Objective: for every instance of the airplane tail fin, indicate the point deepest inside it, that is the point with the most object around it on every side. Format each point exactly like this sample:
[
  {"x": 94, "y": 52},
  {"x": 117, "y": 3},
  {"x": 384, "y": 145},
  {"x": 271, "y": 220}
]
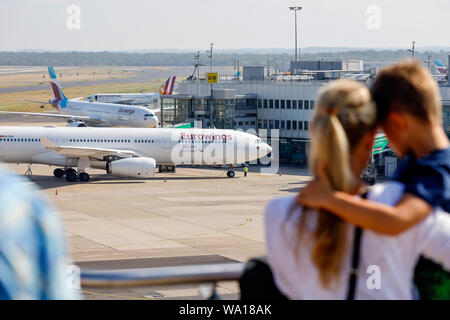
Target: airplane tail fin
[
  {"x": 167, "y": 87},
  {"x": 440, "y": 67},
  {"x": 59, "y": 99}
]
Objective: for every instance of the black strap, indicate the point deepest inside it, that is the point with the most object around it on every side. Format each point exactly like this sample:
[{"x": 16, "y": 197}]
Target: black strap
[
  {"x": 355, "y": 261},
  {"x": 355, "y": 264}
]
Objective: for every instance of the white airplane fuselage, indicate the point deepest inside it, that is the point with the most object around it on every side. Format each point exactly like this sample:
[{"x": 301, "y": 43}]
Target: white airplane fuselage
[
  {"x": 112, "y": 115},
  {"x": 164, "y": 145}
]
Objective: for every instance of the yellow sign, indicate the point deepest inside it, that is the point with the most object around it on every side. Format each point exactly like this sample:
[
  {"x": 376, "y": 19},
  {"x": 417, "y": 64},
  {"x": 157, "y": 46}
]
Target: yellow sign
[{"x": 212, "y": 77}]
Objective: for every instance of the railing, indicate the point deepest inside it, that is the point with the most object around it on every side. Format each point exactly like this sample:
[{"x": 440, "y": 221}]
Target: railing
[{"x": 196, "y": 274}]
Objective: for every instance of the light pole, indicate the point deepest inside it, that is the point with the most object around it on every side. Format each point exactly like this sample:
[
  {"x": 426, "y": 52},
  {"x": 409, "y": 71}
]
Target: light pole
[
  {"x": 211, "y": 95},
  {"x": 412, "y": 50},
  {"x": 295, "y": 9}
]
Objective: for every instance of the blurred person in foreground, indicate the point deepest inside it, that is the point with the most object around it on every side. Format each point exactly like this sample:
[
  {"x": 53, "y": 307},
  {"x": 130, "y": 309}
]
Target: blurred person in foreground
[
  {"x": 313, "y": 253},
  {"x": 33, "y": 254}
]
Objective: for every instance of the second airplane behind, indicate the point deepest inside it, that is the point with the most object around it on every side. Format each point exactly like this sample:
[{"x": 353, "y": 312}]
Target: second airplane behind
[{"x": 84, "y": 113}]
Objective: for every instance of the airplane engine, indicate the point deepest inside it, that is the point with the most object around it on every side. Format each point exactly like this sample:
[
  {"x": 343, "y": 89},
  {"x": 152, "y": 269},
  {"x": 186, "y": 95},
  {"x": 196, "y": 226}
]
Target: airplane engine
[
  {"x": 76, "y": 124},
  {"x": 132, "y": 167}
]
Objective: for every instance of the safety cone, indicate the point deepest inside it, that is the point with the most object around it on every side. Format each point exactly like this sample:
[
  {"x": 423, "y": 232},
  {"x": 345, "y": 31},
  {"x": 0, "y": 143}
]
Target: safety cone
[
  {"x": 56, "y": 193},
  {"x": 165, "y": 179},
  {"x": 280, "y": 173}
]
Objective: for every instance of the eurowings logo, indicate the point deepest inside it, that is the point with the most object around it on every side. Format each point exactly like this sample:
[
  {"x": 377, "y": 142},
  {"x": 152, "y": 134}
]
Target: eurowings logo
[
  {"x": 440, "y": 67},
  {"x": 59, "y": 99}
]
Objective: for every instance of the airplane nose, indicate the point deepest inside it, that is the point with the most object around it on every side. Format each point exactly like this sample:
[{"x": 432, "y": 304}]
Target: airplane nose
[{"x": 269, "y": 148}]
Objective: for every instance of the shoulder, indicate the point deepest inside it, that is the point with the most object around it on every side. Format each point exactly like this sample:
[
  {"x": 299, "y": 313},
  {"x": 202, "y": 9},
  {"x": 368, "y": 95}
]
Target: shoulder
[
  {"x": 278, "y": 208},
  {"x": 389, "y": 193},
  {"x": 277, "y": 212}
]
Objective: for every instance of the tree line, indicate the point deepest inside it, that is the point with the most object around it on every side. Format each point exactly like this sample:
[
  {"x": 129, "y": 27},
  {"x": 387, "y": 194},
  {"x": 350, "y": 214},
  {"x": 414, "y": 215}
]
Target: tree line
[{"x": 281, "y": 60}]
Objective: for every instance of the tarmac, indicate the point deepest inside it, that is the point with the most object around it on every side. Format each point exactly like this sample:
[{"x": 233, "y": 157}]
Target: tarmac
[{"x": 193, "y": 216}]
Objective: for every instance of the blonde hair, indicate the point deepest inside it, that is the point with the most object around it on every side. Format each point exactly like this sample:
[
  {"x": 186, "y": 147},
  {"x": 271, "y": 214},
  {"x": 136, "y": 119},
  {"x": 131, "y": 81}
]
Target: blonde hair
[{"x": 344, "y": 113}]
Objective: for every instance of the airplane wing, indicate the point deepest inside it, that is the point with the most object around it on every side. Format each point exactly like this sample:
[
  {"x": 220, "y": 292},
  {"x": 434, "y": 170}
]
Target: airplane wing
[
  {"x": 37, "y": 101},
  {"x": 97, "y": 153},
  {"x": 56, "y": 115}
]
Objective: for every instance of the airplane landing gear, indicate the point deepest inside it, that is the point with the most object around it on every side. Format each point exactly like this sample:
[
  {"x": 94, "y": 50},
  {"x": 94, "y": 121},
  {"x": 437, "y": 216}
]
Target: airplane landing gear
[
  {"x": 84, "y": 177},
  {"x": 230, "y": 173},
  {"x": 71, "y": 175},
  {"x": 29, "y": 172},
  {"x": 59, "y": 173},
  {"x": 166, "y": 168}
]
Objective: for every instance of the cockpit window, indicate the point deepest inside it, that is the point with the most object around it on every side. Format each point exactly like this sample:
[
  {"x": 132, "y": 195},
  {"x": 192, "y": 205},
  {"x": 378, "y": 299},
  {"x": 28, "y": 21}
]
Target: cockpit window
[
  {"x": 258, "y": 141},
  {"x": 148, "y": 115}
]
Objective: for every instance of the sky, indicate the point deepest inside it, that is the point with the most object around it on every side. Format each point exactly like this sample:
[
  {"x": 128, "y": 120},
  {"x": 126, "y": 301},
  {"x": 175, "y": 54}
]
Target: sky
[{"x": 100, "y": 25}]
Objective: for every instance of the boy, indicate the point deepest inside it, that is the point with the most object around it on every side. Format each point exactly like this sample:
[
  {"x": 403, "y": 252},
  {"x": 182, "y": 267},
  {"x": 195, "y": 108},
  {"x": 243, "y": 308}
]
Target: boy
[{"x": 409, "y": 112}]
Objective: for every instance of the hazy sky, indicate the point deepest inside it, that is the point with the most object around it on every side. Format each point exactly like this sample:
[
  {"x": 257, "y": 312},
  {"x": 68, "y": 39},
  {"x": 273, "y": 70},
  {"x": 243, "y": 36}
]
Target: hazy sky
[{"x": 192, "y": 24}]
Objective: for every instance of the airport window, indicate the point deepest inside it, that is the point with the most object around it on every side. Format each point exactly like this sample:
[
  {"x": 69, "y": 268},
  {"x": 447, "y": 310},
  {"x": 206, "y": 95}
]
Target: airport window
[
  {"x": 247, "y": 123},
  {"x": 306, "y": 125},
  {"x": 265, "y": 103},
  {"x": 294, "y": 125},
  {"x": 270, "y": 104},
  {"x": 288, "y": 104},
  {"x": 283, "y": 103},
  {"x": 270, "y": 124},
  {"x": 277, "y": 104},
  {"x": 288, "y": 124},
  {"x": 264, "y": 124},
  {"x": 259, "y": 103},
  {"x": 306, "y": 104},
  {"x": 312, "y": 104},
  {"x": 282, "y": 124},
  {"x": 294, "y": 104},
  {"x": 300, "y": 104},
  {"x": 277, "y": 124},
  {"x": 252, "y": 123},
  {"x": 300, "y": 125}
]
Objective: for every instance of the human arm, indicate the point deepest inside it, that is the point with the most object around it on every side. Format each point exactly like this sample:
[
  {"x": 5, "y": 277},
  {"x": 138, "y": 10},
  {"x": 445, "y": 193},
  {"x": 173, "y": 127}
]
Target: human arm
[{"x": 379, "y": 217}]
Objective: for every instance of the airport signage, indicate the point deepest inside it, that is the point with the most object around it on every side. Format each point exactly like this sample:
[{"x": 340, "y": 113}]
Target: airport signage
[
  {"x": 380, "y": 144},
  {"x": 212, "y": 77}
]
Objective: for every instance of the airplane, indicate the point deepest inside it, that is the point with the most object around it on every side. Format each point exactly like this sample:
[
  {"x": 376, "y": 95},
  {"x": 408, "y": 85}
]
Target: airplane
[
  {"x": 128, "y": 152},
  {"x": 135, "y": 98},
  {"x": 83, "y": 113},
  {"x": 440, "y": 67}
]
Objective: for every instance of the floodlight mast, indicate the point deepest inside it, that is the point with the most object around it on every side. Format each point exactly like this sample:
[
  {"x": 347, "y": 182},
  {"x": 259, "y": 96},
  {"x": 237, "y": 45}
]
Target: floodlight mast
[{"x": 295, "y": 9}]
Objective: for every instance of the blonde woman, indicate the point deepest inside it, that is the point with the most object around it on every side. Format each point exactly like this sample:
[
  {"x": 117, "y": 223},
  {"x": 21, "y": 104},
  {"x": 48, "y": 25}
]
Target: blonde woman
[{"x": 313, "y": 254}]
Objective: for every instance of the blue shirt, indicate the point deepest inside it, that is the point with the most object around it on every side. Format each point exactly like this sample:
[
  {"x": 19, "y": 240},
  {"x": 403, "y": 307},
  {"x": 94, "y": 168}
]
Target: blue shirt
[
  {"x": 428, "y": 177},
  {"x": 33, "y": 256}
]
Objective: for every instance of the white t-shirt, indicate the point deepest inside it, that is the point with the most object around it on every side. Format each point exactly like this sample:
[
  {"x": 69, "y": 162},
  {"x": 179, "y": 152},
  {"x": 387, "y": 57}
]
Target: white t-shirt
[{"x": 386, "y": 265}]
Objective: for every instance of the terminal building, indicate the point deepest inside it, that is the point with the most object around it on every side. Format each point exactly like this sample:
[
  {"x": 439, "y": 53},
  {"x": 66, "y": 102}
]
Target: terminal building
[{"x": 265, "y": 100}]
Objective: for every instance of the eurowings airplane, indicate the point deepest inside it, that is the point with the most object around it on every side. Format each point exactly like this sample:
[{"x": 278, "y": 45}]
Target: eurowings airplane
[
  {"x": 440, "y": 67},
  {"x": 135, "y": 98},
  {"x": 83, "y": 113},
  {"x": 129, "y": 152}
]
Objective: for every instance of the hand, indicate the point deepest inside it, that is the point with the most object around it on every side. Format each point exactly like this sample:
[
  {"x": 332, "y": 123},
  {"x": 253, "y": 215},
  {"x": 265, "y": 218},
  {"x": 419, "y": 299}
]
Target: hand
[{"x": 317, "y": 193}]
